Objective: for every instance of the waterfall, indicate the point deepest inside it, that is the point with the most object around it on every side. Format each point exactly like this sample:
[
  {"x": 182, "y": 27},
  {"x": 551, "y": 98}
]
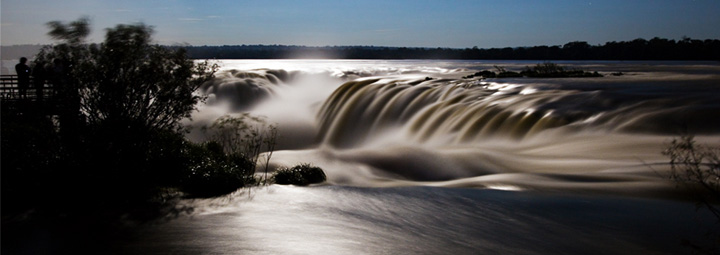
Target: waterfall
[{"x": 385, "y": 123}]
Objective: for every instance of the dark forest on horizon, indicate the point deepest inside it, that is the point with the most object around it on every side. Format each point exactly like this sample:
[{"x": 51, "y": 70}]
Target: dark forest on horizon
[{"x": 638, "y": 49}]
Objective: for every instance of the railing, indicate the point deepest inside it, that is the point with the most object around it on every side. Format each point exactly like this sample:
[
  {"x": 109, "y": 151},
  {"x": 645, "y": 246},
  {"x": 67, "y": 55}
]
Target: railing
[
  {"x": 10, "y": 91},
  {"x": 13, "y": 102}
]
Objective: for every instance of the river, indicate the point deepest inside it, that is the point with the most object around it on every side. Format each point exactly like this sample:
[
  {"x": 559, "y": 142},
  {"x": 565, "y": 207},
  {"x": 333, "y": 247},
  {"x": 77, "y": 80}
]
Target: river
[{"x": 422, "y": 159}]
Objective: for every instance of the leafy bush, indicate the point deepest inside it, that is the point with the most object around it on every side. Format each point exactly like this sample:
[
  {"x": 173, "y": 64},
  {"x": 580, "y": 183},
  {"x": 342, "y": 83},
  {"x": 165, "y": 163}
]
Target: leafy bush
[
  {"x": 229, "y": 160},
  {"x": 247, "y": 136},
  {"x": 552, "y": 70},
  {"x": 121, "y": 105},
  {"x": 127, "y": 79},
  {"x": 502, "y": 73},
  {"x": 211, "y": 172},
  {"x": 543, "y": 70},
  {"x": 302, "y": 175}
]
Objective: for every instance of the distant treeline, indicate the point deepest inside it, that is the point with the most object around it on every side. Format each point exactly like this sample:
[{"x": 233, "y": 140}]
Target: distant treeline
[{"x": 638, "y": 49}]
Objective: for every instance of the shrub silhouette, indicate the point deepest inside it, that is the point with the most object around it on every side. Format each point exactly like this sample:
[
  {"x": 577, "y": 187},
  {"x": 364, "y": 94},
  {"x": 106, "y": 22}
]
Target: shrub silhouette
[
  {"x": 211, "y": 172},
  {"x": 247, "y": 136},
  {"x": 127, "y": 80},
  {"x": 543, "y": 70},
  {"x": 120, "y": 138},
  {"x": 697, "y": 167},
  {"x": 552, "y": 70},
  {"x": 301, "y": 175}
]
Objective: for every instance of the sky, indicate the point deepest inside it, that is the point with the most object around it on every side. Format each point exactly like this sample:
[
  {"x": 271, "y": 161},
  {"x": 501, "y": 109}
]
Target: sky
[{"x": 410, "y": 23}]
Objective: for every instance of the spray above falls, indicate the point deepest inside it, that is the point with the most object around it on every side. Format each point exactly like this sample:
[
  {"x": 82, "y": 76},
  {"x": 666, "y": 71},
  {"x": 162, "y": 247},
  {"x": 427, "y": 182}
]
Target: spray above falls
[
  {"x": 385, "y": 123},
  {"x": 244, "y": 89}
]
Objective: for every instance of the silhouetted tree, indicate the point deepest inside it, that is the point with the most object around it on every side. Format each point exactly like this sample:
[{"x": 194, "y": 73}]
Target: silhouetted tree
[
  {"x": 73, "y": 33},
  {"x": 122, "y": 97},
  {"x": 576, "y": 50},
  {"x": 127, "y": 79}
]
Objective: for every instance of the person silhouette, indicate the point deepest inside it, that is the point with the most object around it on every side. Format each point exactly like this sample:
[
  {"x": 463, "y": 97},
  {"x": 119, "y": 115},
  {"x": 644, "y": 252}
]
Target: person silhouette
[
  {"x": 39, "y": 77},
  {"x": 23, "y": 73},
  {"x": 56, "y": 76}
]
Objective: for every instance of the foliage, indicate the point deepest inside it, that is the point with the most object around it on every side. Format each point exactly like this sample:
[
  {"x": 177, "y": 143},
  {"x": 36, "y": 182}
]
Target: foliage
[
  {"x": 638, "y": 49},
  {"x": 30, "y": 151},
  {"x": 211, "y": 172},
  {"x": 127, "y": 80},
  {"x": 74, "y": 32},
  {"x": 229, "y": 160},
  {"x": 552, "y": 70},
  {"x": 502, "y": 73},
  {"x": 117, "y": 140},
  {"x": 117, "y": 146},
  {"x": 542, "y": 70},
  {"x": 119, "y": 95},
  {"x": 245, "y": 136},
  {"x": 302, "y": 175},
  {"x": 698, "y": 166}
]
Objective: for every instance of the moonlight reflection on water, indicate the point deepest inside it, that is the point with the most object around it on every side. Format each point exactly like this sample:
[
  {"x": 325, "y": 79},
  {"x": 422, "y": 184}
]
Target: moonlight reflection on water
[
  {"x": 422, "y": 161},
  {"x": 531, "y": 166}
]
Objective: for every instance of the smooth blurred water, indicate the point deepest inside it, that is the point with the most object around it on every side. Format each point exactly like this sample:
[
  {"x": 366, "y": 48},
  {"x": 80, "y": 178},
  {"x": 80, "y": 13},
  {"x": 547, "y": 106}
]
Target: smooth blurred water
[
  {"x": 424, "y": 220},
  {"x": 422, "y": 161},
  {"x": 420, "y": 122}
]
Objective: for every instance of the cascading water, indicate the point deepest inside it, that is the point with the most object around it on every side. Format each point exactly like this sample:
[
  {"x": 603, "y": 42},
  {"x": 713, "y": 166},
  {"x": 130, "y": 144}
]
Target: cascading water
[
  {"x": 460, "y": 112},
  {"x": 242, "y": 89},
  {"x": 421, "y": 123},
  {"x": 573, "y": 165}
]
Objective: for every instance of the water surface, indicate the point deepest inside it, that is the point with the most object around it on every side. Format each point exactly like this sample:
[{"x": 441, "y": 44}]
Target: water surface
[{"x": 422, "y": 161}]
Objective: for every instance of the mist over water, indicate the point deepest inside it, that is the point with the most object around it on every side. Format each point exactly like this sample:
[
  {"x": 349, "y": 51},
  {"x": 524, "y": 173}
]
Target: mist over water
[
  {"x": 398, "y": 123},
  {"x": 422, "y": 161}
]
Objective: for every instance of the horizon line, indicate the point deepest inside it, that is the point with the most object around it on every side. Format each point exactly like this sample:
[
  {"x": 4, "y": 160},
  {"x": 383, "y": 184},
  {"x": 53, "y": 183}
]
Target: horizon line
[{"x": 379, "y": 46}]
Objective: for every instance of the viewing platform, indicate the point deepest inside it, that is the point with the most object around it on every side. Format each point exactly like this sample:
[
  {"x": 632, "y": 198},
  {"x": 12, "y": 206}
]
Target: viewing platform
[{"x": 12, "y": 102}]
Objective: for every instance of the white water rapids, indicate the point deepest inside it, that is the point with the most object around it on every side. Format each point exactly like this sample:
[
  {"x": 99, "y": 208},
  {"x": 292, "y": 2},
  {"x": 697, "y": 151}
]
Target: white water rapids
[
  {"x": 422, "y": 161},
  {"x": 398, "y": 123}
]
